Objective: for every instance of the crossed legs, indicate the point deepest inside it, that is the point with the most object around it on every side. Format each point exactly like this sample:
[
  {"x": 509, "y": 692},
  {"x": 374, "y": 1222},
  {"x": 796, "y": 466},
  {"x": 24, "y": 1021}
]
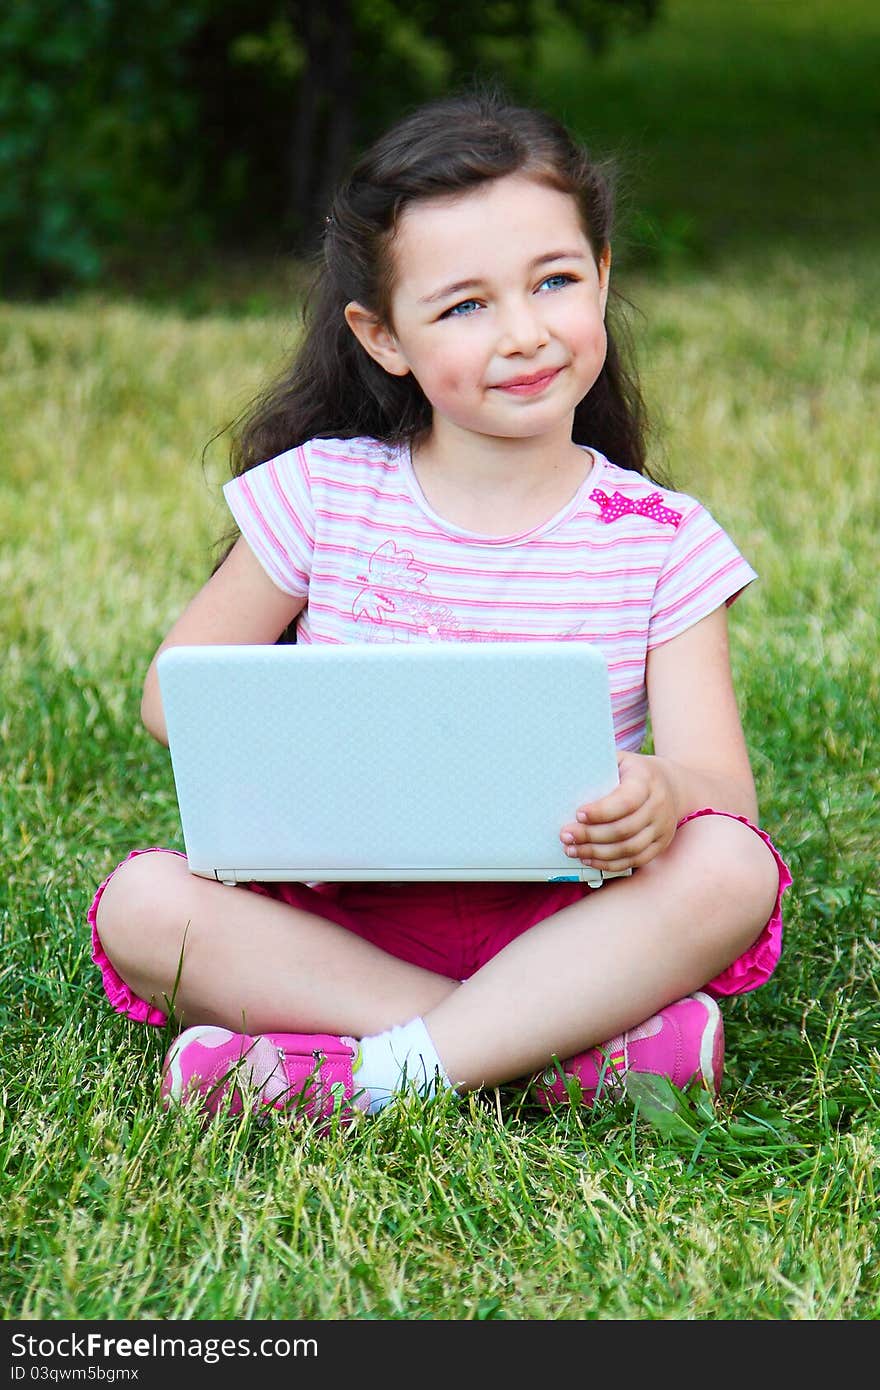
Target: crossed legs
[{"x": 250, "y": 963}]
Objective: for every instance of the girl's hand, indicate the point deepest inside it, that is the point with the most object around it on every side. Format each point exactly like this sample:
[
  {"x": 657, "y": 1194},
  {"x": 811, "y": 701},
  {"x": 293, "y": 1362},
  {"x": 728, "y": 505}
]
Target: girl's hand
[
  {"x": 630, "y": 826},
  {"x": 700, "y": 756}
]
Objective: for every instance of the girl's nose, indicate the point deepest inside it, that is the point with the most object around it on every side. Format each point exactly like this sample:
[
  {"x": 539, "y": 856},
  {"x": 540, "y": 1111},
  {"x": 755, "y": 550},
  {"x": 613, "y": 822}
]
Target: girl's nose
[{"x": 521, "y": 330}]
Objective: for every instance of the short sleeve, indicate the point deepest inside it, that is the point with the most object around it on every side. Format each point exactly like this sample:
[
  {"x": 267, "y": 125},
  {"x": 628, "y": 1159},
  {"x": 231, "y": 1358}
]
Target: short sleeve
[
  {"x": 703, "y": 569},
  {"x": 272, "y": 507}
]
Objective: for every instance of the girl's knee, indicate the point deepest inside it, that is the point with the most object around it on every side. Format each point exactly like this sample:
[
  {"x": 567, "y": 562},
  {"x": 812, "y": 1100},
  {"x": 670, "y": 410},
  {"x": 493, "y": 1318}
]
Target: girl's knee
[
  {"x": 739, "y": 866},
  {"x": 139, "y": 893}
]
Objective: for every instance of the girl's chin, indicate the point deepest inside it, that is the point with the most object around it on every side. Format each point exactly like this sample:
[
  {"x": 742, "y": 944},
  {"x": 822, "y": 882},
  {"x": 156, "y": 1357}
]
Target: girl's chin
[{"x": 515, "y": 425}]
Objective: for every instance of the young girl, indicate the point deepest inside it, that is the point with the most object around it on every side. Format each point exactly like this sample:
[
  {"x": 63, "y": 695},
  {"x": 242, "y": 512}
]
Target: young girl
[{"x": 457, "y": 455}]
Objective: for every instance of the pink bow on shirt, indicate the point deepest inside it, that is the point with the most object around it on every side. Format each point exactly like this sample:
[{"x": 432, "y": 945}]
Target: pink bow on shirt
[{"x": 613, "y": 508}]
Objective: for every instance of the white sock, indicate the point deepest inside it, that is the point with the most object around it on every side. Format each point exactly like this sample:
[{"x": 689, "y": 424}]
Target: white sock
[{"x": 397, "y": 1060}]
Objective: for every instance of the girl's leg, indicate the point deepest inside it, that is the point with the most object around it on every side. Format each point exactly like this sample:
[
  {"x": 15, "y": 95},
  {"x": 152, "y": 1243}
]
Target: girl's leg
[
  {"x": 248, "y": 962},
  {"x": 611, "y": 960},
  {"x": 594, "y": 969}
]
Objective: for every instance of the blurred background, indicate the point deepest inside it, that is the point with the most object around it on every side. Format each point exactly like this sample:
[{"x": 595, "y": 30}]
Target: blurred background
[
  {"x": 164, "y": 165},
  {"x": 188, "y": 147}
]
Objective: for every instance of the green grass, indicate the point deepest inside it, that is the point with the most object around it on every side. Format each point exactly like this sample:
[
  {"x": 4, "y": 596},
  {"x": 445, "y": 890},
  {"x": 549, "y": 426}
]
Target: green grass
[
  {"x": 737, "y": 125},
  {"x": 762, "y": 370}
]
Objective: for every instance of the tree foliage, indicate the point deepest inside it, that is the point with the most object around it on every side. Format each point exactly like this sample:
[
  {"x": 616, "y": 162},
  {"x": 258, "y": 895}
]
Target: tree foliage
[
  {"x": 184, "y": 122},
  {"x": 93, "y": 104}
]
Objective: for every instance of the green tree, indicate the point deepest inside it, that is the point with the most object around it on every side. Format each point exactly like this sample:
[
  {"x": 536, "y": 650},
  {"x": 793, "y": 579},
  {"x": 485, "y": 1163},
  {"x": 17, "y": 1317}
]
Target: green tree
[
  {"x": 176, "y": 123},
  {"x": 93, "y": 100},
  {"x": 357, "y": 63}
]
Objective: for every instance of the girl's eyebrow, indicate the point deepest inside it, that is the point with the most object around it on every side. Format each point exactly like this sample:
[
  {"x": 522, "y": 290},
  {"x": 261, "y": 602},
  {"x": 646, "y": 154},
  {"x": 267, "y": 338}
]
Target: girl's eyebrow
[{"x": 459, "y": 286}]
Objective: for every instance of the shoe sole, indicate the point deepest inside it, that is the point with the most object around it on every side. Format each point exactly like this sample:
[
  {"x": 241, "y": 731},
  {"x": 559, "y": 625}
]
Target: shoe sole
[{"x": 711, "y": 1043}]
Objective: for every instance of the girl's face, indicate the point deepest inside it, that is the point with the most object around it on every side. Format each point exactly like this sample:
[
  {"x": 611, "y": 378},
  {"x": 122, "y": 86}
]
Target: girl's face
[{"x": 497, "y": 308}]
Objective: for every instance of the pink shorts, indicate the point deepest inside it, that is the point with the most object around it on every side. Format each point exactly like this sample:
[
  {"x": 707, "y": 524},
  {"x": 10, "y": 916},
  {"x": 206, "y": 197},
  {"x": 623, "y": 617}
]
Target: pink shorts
[{"x": 451, "y": 929}]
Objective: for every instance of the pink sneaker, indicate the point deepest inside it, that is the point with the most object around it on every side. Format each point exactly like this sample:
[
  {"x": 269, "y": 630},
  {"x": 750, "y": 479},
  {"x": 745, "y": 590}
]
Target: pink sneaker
[
  {"x": 683, "y": 1042},
  {"x": 309, "y": 1074}
]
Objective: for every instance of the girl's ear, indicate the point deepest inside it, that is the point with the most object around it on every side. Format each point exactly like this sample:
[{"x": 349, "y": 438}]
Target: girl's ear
[
  {"x": 603, "y": 266},
  {"x": 376, "y": 339}
]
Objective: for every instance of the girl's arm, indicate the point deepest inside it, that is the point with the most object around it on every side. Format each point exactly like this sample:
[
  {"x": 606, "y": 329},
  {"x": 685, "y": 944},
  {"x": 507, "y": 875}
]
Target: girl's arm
[
  {"x": 238, "y": 605},
  {"x": 696, "y": 723},
  {"x": 700, "y": 756}
]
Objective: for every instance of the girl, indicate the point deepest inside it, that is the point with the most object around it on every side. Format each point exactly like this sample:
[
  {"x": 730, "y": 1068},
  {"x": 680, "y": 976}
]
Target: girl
[{"x": 457, "y": 454}]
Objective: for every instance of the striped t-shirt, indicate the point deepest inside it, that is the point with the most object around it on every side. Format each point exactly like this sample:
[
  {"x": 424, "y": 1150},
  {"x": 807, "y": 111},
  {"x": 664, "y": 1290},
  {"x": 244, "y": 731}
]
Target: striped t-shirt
[{"x": 625, "y": 564}]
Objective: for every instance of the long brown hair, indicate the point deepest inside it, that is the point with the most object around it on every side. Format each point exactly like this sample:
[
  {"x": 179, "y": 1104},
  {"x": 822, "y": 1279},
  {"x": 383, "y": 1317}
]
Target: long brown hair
[{"x": 333, "y": 388}]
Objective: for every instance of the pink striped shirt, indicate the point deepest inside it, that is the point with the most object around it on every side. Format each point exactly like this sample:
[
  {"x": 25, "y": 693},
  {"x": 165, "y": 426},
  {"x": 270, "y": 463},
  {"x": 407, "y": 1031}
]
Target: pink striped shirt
[{"x": 625, "y": 564}]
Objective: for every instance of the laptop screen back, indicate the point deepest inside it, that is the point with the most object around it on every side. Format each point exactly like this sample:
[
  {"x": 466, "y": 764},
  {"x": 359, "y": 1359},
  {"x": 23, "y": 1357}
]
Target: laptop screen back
[{"x": 433, "y": 761}]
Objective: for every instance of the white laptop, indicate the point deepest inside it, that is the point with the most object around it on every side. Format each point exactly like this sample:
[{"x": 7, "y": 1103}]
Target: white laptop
[{"x": 386, "y": 761}]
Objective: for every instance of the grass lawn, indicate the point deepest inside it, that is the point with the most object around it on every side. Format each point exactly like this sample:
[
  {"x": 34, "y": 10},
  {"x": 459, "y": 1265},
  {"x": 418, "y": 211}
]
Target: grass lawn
[{"x": 762, "y": 372}]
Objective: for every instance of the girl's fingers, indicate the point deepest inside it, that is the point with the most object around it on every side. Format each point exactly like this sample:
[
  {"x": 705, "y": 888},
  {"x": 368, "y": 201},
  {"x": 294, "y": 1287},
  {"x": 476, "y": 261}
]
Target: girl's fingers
[
  {"x": 607, "y": 832},
  {"x": 622, "y": 802},
  {"x": 625, "y": 849},
  {"x": 616, "y": 831}
]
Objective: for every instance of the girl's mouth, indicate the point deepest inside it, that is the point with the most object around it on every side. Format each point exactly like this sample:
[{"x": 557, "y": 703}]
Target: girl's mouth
[{"x": 529, "y": 385}]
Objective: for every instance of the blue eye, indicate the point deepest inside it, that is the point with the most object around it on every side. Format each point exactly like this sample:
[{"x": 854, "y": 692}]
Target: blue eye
[
  {"x": 462, "y": 310},
  {"x": 556, "y": 282}
]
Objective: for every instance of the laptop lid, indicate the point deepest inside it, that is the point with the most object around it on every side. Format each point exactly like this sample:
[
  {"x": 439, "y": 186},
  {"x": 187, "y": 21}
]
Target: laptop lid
[{"x": 386, "y": 761}]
